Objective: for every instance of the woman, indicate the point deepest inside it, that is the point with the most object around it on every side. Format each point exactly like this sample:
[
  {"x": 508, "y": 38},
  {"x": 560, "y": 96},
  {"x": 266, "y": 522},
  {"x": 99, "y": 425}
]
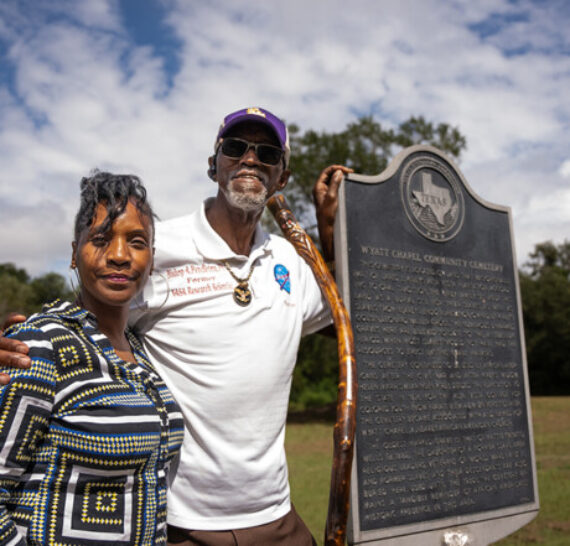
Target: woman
[{"x": 87, "y": 434}]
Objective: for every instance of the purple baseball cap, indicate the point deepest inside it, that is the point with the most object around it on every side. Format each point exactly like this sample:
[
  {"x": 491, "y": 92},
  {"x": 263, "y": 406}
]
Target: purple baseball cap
[{"x": 258, "y": 115}]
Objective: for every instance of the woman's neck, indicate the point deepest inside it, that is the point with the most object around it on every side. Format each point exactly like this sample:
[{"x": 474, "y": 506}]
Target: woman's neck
[{"x": 112, "y": 322}]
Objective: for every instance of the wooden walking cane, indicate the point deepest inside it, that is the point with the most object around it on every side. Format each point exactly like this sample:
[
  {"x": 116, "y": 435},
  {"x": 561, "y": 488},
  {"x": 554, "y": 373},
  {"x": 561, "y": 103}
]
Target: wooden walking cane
[{"x": 335, "y": 530}]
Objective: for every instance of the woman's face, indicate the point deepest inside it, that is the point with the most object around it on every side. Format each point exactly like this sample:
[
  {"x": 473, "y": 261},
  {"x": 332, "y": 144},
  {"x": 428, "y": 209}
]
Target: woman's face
[{"x": 113, "y": 266}]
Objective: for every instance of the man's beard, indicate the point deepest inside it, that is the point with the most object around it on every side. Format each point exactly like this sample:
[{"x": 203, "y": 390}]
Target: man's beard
[{"x": 248, "y": 201}]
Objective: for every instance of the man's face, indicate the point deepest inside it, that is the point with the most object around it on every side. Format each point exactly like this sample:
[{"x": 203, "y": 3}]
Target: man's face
[{"x": 245, "y": 182}]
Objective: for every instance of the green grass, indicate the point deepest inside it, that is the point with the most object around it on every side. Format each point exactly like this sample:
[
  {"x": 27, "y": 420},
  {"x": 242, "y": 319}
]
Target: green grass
[{"x": 309, "y": 452}]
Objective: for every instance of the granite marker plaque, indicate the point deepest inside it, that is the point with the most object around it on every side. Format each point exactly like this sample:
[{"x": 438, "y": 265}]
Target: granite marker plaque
[{"x": 444, "y": 451}]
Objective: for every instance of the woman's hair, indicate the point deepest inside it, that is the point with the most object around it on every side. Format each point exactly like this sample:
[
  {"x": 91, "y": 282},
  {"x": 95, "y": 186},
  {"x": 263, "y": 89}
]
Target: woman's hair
[{"x": 114, "y": 191}]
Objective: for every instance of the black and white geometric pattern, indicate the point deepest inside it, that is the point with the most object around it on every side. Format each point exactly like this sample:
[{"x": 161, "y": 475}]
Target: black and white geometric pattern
[{"x": 86, "y": 439}]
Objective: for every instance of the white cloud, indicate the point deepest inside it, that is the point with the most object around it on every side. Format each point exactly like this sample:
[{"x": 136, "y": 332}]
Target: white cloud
[
  {"x": 84, "y": 95},
  {"x": 565, "y": 169}
]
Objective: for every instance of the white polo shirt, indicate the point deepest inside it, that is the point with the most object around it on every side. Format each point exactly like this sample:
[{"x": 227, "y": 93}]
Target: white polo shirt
[{"x": 229, "y": 367}]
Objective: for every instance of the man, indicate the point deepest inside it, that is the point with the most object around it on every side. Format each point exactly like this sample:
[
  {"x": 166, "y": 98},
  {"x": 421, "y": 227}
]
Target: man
[{"x": 222, "y": 318}]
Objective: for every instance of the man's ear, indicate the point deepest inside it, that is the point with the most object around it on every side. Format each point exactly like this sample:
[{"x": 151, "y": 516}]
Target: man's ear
[
  {"x": 212, "y": 167},
  {"x": 284, "y": 179}
]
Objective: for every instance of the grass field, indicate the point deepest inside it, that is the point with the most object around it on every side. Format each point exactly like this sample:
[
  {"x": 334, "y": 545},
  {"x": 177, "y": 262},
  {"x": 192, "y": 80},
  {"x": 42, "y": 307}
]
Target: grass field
[{"x": 309, "y": 450}]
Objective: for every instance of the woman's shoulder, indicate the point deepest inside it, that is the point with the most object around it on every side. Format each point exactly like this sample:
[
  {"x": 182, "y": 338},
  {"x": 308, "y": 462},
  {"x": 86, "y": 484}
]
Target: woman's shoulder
[
  {"x": 54, "y": 316},
  {"x": 42, "y": 332},
  {"x": 55, "y": 338}
]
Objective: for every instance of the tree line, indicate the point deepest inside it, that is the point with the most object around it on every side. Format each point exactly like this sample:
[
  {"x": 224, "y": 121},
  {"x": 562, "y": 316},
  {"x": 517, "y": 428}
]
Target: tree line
[
  {"x": 22, "y": 294},
  {"x": 367, "y": 147}
]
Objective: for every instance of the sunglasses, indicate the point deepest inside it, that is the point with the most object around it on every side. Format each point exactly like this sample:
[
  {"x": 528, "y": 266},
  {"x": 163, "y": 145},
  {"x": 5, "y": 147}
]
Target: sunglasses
[{"x": 237, "y": 147}]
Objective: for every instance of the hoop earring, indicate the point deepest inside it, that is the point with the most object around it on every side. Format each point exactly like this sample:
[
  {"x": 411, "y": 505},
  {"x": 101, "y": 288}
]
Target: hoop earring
[
  {"x": 74, "y": 287},
  {"x": 163, "y": 276}
]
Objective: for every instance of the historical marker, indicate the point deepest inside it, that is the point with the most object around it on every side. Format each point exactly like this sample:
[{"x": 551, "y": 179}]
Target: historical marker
[{"x": 444, "y": 451}]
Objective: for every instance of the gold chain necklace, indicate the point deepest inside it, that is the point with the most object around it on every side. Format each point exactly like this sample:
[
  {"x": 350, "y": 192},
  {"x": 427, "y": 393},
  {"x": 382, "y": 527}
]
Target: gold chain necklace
[{"x": 242, "y": 293}]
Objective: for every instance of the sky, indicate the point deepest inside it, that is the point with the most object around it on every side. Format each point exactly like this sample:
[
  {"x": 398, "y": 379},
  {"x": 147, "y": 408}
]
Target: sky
[{"x": 141, "y": 86}]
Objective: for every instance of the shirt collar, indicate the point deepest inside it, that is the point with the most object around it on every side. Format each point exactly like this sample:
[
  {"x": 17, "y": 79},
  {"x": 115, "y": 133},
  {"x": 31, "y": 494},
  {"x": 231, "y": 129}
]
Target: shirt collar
[
  {"x": 211, "y": 246},
  {"x": 68, "y": 311},
  {"x": 73, "y": 313}
]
